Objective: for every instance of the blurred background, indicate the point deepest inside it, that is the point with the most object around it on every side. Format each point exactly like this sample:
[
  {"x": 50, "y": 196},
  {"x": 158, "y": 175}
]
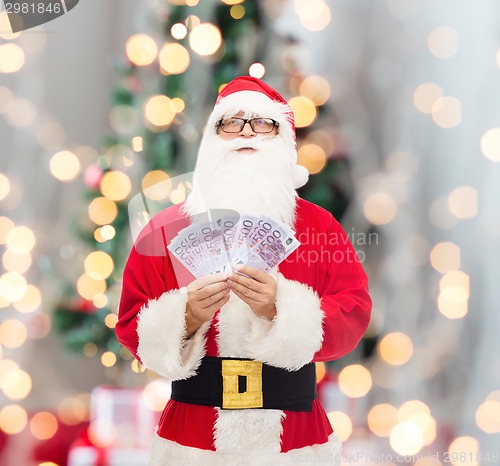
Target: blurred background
[{"x": 397, "y": 106}]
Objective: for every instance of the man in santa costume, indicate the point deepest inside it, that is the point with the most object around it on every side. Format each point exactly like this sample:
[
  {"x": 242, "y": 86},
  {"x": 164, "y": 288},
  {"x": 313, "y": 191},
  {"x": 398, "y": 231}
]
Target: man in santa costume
[{"x": 240, "y": 348}]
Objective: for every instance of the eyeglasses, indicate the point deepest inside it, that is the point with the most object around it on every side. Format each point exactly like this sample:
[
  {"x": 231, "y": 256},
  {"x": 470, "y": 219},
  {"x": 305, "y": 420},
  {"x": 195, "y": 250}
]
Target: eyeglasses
[{"x": 258, "y": 125}]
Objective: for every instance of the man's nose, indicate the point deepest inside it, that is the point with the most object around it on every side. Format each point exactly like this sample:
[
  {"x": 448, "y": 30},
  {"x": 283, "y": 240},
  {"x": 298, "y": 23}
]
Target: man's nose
[{"x": 247, "y": 130}]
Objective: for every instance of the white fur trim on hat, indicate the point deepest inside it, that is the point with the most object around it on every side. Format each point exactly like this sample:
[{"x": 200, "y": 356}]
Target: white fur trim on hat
[
  {"x": 300, "y": 176},
  {"x": 163, "y": 346}
]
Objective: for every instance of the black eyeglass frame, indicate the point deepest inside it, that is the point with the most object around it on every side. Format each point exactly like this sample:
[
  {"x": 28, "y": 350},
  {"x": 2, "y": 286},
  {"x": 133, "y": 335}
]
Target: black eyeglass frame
[{"x": 250, "y": 122}]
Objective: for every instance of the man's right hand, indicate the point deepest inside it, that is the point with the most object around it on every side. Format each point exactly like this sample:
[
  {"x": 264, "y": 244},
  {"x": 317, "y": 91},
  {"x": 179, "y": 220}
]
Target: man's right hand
[{"x": 206, "y": 295}]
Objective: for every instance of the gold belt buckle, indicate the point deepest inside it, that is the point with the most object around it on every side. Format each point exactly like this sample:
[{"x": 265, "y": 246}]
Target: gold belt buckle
[{"x": 252, "y": 397}]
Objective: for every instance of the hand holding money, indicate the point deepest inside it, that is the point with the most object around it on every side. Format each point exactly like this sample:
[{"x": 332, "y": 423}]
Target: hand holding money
[
  {"x": 206, "y": 295},
  {"x": 256, "y": 288}
]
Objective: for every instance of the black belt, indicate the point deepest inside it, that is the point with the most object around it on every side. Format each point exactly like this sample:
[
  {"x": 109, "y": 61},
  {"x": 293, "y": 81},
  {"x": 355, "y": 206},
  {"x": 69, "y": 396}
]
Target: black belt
[{"x": 231, "y": 383}]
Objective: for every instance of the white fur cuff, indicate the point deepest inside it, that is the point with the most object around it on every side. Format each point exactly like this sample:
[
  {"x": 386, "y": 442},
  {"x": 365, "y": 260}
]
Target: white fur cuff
[
  {"x": 163, "y": 346},
  {"x": 293, "y": 337}
]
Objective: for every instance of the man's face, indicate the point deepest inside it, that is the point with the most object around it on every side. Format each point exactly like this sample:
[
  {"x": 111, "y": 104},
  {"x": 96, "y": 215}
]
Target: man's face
[{"x": 246, "y": 132}]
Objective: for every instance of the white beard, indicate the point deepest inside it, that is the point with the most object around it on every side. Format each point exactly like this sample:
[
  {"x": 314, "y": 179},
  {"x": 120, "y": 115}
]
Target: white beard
[{"x": 259, "y": 183}]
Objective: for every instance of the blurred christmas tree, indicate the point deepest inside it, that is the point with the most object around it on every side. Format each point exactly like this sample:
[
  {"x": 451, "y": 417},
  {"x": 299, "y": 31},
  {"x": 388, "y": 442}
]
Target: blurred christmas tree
[{"x": 169, "y": 81}]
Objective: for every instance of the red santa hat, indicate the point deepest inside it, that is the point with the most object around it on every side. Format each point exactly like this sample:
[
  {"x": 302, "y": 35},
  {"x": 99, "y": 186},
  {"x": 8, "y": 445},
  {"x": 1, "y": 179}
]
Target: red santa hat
[{"x": 254, "y": 97}]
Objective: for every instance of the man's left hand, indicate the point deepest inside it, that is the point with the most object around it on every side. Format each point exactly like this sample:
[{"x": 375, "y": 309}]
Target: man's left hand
[{"x": 258, "y": 290}]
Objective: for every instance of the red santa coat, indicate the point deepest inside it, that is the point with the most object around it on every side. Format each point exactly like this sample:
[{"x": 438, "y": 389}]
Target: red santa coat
[{"x": 323, "y": 309}]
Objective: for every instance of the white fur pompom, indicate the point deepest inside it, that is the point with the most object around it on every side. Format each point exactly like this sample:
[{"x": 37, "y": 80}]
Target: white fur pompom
[{"x": 300, "y": 176}]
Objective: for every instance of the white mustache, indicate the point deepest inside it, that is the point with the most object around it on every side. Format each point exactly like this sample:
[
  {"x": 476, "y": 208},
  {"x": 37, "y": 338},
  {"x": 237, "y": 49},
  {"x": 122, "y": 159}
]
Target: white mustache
[{"x": 257, "y": 143}]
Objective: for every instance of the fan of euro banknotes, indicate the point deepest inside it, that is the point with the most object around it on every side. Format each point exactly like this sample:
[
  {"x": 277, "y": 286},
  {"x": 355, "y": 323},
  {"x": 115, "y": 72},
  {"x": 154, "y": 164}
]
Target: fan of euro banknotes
[{"x": 223, "y": 243}]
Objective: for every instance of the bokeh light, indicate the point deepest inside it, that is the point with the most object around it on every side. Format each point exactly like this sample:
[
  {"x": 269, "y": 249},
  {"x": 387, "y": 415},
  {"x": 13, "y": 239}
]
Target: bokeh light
[
  {"x": 108, "y": 359},
  {"x": 43, "y": 425},
  {"x": 304, "y": 111},
  {"x": 159, "y": 111},
  {"x": 156, "y": 185},
  {"x": 98, "y": 264},
  {"x": 177, "y": 196},
  {"x": 458, "y": 284},
  {"x": 13, "y": 419},
  {"x": 102, "y": 210},
  {"x": 426, "y": 95},
  {"x": 178, "y": 31},
  {"x": 463, "y": 451},
  {"x": 100, "y": 300},
  {"x": 115, "y": 185},
  {"x": 453, "y": 303},
  {"x": 137, "y": 144},
  {"x": 395, "y": 348},
  {"x": 174, "y": 59},
  {"x": 137, "y": 367},
  {"x": 20, "y": 240},
  {"x": 108, "y": 232},
  {"x": 65, "y": 166},
  {"x": 380, "y": 208},
  {"x": 11, "y": 58},
  {"x": 443, "y": 42},
  {"x": 490, "y": 144},
  {"x": 19, "y": 263},
  {"x": 411, "y": 407},
  {"x": 205, "y": 39},
  {"x": 312, "y": 157},
  {"x": 462, "y": 202},
  {"x": 88, "y": 287},
  {"x": 341, "y": 423},
  {"x": 179, "y": 104},
  {"x": 13, "y": 286},
  {"x": 31, "y": 300},
  {"x": 237, "y": 11},
  {"x": 192, "y": 21},
  {"x": 382, "y": 418},
  {"x": 355, "y": 381},
  {"x": 447, "y": 112},
  {"x": 102, "y": 433},
  {"x": 315, "y": 88},
  {"x": 111, "y": 320},
  {"x": 141, "y": 49},
  {"x": 156, "y": 394},
  {"x": 445, "y": 257},
  {"x": 320, "y": 371},
  {"x": 16, "y": 385},
  {"x": 488, "y": 416},
  {"x": 314, "y": 15},
  {"x": 406, "y": 438},
  {"x": 5, "y": 27},
  {"x": 257, "y": 70}
]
